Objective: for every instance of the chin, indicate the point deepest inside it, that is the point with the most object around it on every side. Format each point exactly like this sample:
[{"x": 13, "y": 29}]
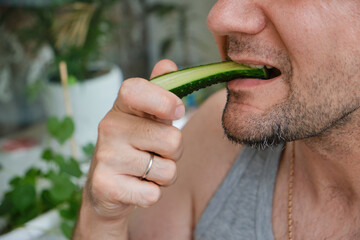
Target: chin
[
  {"x": 255, "y": 128},
  {"x": 253, "y": 138}
]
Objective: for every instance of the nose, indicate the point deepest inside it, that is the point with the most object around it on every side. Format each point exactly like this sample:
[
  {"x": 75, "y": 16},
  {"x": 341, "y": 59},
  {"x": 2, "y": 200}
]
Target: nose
[{"x": 236, "y": 16}]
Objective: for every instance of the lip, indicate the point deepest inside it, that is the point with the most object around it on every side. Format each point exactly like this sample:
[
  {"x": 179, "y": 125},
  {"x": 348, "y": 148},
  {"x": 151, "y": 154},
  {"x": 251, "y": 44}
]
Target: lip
[
  {"x": 253, "y": 61},
  {"x": 249, "y": 82}
]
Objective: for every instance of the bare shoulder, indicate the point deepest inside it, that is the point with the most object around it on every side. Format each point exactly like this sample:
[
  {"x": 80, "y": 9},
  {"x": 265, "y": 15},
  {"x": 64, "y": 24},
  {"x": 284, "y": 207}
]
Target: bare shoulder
[{"x": 208, "y": 156}]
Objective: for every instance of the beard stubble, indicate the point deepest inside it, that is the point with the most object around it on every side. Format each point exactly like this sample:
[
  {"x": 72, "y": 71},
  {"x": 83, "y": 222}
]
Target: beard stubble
[{"x": 307, "y": 111}]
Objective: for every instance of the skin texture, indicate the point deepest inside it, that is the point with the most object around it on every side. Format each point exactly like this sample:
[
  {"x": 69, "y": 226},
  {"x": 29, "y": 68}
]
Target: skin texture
[
  {"x": 311, "y": 94},
  {"x": 315, "y": 102}
]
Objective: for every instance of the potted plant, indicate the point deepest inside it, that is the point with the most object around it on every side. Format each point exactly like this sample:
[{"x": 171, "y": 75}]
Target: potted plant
[
  {"x": 74, "y": 32},
  {"x": 47, "y": 196}
]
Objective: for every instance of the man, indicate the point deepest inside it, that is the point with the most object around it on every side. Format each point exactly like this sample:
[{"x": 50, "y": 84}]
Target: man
[{"x": 310, "y": 190}]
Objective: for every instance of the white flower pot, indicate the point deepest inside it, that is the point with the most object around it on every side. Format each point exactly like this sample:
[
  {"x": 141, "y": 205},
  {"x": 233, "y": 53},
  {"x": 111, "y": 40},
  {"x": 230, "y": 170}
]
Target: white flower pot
[
  {"x": 91, "y": 100},
  {"x": 44, "y": 227}
]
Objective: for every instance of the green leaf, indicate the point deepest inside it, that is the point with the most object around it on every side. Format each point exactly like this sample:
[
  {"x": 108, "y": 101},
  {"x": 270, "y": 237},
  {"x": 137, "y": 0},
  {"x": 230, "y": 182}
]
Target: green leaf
[
  {"x": 89, "y": 150},
  {"x": 59, "y": 160},
  {"x": 62, "y": 187},
  {"x": 71, "y": 167},
  {"x": 66, "y": 214},
  {"x": 23, "y": 196},
  {"x": 6, "y": 205},
  {"x": 72, "y": 80},
  {"x": 32, "y": 174},
  {"x": 71, "y": 210},
  {"x": 47, "y": 200},
  {"x": 61, "y": 130},
  {"x": 23, "y": 217},
  {"x": 47, "y": 155},
  {"x": 15, "y": 181},
  {"x": 69, "y": 213},
  {"x": 67, "y": 229}
]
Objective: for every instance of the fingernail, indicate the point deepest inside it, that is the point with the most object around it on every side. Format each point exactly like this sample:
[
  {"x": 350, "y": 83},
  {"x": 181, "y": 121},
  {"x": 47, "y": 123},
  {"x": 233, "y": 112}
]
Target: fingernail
[{"x": 179, "y": 111}]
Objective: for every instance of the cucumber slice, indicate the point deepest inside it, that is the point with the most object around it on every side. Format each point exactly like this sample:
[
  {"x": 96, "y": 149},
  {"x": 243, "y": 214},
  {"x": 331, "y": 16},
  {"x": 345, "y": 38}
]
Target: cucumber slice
[{"x": 188, "y": 80}]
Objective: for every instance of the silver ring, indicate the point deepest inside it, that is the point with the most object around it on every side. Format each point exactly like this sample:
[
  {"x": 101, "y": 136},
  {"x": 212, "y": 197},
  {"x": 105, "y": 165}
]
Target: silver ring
[{"x": 149, "y": 166}]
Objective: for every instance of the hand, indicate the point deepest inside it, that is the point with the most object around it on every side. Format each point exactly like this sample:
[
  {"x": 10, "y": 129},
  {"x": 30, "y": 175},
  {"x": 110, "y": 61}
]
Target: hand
[{"x": 138, "y": 124}]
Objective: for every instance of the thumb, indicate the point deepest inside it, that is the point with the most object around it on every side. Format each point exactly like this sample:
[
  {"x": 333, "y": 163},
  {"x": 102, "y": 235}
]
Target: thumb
[{"x": 162, "y": 67}]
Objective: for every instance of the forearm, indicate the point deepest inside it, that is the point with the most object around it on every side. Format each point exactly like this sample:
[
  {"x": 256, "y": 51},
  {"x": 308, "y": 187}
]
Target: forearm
[{"x": 92, "y": 226}]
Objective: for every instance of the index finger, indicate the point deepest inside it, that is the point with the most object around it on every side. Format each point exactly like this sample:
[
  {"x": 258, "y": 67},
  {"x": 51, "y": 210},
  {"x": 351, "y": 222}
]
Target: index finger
[{"x": 140, "y": 97}]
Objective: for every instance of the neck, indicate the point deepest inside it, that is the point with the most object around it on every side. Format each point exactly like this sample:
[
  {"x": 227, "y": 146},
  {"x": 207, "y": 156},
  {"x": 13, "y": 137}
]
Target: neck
[{"x": 330, "y": 163}]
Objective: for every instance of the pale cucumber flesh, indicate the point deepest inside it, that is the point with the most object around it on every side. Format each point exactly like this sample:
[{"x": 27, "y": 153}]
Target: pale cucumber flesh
[{"x": 186, "y": 81}]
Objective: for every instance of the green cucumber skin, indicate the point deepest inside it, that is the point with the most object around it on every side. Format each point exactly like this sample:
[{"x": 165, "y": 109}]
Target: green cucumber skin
[{"x": 184, "y": 89}]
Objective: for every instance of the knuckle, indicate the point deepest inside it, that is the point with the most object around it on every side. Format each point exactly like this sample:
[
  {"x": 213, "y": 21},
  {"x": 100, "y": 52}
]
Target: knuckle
[
  {"x": 102, "y": 126},
  {"x": 129, "y": 86},
  {"x": 125, "y": 87},
  {"x": 103, "y": 189},
  {"x": 126, "y": 91},
  {"x": 113, "y": 125},
  {"x": 170, "y": 172},
  {"x": 102, "y": 155},
  {"x": 105, "y": 126},
  {"x": 174, "y": 140},
  {"x": 98, "y": 185}
]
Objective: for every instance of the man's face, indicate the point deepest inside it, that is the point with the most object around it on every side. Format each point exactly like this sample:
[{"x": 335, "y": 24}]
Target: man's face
[{"x": 316, "y": 46}]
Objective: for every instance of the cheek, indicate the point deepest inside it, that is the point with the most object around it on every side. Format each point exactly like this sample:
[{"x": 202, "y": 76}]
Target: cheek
[
  {"x": 314, "y": 31},
  {"x": 319, "y": 35},
  {"x": 307, "y": 39}
]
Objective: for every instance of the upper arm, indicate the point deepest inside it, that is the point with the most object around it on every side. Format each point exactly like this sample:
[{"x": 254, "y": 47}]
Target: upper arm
[{"x": 207, "y": 157}]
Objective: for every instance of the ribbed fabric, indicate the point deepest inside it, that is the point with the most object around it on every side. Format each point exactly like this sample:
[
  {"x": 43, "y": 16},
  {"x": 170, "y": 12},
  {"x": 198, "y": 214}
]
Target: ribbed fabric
[{"x": 241, "y": 208}]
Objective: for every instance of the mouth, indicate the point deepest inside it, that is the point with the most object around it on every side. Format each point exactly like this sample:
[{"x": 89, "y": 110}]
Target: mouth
[{"x": 272, "y": 72}]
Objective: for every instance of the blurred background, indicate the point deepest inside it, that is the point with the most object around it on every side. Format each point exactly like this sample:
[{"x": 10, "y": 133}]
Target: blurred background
[{"x": 48, "y": 127}]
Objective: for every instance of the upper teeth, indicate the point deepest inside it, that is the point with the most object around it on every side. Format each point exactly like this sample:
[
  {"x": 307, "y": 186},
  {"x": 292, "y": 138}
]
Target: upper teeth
[
  {"x": 259, "y": 66},
  {"x": 255, "y": 66}
]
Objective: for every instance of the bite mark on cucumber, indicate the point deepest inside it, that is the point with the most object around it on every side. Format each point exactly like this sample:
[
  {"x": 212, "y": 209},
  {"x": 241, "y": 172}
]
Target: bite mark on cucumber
[{"x": 186, "y": 81}]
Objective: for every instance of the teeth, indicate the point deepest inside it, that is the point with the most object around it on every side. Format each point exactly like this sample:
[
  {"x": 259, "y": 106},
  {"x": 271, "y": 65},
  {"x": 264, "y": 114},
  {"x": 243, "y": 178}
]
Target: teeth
[
  {"x": 258, "y": 66},
  {"x": 254, "y": 66}
]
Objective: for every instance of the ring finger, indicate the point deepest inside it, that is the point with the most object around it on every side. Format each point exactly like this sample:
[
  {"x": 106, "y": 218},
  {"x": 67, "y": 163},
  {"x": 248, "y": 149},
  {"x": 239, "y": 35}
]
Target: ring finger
[{"x": 162, "y": 171}]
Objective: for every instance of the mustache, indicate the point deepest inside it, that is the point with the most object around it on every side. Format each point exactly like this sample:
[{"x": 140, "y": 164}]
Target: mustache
[{"x": 247, "y": 46}]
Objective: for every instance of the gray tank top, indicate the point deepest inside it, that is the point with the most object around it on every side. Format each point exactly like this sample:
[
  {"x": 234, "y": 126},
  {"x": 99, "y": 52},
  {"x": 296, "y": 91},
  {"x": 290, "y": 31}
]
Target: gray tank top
[{"x": 241, "y": 208}]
